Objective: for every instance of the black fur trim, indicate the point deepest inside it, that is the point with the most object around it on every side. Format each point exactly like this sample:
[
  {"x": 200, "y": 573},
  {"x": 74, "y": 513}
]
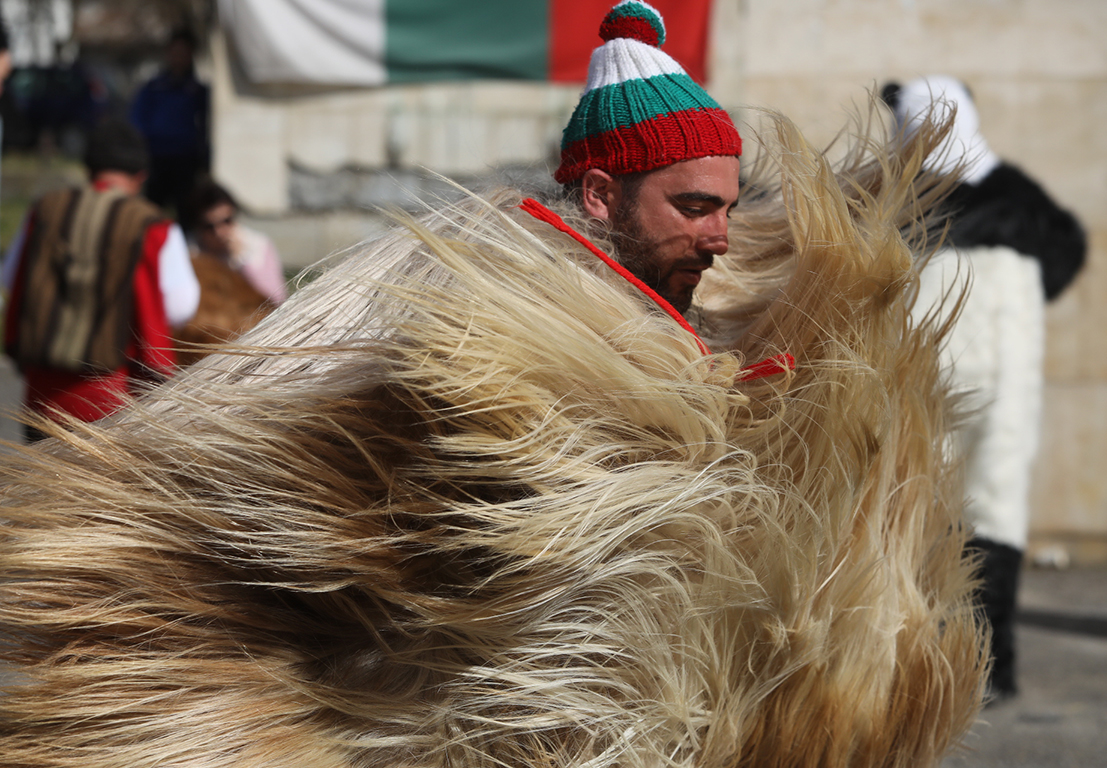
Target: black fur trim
[{"x": 1009, "y": 208}]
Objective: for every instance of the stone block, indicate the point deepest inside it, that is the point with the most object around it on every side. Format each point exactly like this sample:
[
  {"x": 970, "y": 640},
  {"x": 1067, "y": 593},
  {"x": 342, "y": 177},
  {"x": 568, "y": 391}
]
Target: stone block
[
  {"x": 516, "y": 138},
  {"x": 1069, "y": 493},
  {"x": 347, "y": 229},
  {"x": 1053, "y": 130},
  {"x": 303, "y": 240},
  {"x": 249, "y": 156},
  {"x": 1076, "y": 347},
  {"x": 298, "y": 239},
  {"x": 313, "y": 191},
  {"x": 820, "y": 107},
  {"x": 370, "y": 134},
  {"x": 317, "y": 138},
  {"x": 983, "y": 36}
]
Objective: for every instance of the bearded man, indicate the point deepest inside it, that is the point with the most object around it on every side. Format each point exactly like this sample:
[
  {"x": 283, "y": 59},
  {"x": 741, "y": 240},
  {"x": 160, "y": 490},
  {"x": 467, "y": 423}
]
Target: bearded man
[{"x": 651, "y": 154}]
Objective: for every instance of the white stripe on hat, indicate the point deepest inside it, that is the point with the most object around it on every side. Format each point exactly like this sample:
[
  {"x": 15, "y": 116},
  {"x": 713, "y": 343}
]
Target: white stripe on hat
[{"x": 623, "y": 59}]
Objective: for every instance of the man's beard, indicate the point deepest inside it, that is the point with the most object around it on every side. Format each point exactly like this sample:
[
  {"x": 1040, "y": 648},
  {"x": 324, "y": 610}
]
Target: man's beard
[{"x": 635, "y": 251}]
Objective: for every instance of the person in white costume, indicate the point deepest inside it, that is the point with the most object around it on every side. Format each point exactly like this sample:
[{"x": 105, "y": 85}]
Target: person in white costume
[{"x": 1011, "y": 249}]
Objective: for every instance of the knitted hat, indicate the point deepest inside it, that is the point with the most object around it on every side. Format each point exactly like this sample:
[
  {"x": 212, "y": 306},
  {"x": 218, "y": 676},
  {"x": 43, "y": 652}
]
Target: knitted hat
[
  {"x": 640, "y": 110},
  {"x": 963, "y": 149}
]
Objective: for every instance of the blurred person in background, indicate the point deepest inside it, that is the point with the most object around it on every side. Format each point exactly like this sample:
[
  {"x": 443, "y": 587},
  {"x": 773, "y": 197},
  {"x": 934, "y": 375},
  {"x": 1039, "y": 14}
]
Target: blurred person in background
[
  {"x": 5, "y": 64},
  {"x": 211, "y": 216},
  {"x": 240, "y": 273},
  {"x": 1011, "y": 249},
  {"x": 171, "y": 111},
  {"x": 5, "y": 54},
  {"x": 97, "y": 278}
]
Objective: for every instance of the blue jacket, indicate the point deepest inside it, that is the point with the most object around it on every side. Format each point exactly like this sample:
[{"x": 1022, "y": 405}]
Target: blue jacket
[{"x": 173, "y": 115}]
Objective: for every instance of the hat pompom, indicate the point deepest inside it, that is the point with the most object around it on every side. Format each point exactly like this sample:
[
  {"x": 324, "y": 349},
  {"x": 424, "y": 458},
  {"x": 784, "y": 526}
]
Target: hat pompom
[{"x": 634, "y": 20}]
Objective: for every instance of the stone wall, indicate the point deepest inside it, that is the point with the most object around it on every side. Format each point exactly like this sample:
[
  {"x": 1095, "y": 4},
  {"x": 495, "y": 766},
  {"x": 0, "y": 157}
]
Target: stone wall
[
  {"x": 367, "y": 138},
  {"x": 1038, "y": 70}
]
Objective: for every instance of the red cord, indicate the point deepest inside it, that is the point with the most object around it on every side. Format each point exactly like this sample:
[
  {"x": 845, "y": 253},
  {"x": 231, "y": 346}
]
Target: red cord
[
  {"x": 772, "y": 365},
  {"x": 542, "y": 213},
  {"x": 768, "y": 367}
]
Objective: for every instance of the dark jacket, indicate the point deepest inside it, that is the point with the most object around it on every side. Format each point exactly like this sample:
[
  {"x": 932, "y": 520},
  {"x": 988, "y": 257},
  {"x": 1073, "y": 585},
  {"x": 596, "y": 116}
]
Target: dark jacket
[{"x": 1009, "y": 208}]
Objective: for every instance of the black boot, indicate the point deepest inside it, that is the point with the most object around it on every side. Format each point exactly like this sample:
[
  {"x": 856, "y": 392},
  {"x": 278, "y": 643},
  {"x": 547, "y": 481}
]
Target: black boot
[{"x": 1000, "y": 566}]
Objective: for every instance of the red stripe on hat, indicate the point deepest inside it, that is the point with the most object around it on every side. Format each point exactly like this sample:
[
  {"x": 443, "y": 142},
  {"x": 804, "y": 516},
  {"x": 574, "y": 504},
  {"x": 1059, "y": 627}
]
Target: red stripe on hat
[
  {"x": 654, "y": 143},
  {"x": 632, "y": 27}
]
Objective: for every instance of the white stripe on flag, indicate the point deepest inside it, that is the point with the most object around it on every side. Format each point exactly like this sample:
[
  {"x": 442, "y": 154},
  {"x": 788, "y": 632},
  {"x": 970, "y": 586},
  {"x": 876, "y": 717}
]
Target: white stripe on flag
[{"x": 331, "y": 42}]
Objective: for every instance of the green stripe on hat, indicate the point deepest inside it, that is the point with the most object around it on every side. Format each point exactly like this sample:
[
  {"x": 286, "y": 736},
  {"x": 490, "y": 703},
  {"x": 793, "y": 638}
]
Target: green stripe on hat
[{"x": 634, "y": 101}]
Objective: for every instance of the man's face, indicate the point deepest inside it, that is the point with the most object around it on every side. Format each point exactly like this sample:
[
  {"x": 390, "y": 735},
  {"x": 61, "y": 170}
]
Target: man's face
[
  {"x": 215, "y": 234},
  {"x": 673, "y": 223},
  {"x": 178, "y": 58}
]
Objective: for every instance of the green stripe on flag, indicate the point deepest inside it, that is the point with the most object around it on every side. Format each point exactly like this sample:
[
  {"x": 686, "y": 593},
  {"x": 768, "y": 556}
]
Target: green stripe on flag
[
  {"x": 456, "y": 40},
  {"x": 634, "y": 101}
]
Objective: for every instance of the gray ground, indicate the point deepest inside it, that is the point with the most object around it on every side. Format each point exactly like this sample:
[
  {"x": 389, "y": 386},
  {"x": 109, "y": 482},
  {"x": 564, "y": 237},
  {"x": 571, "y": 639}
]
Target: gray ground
[{"x": 1060, "y": 718}]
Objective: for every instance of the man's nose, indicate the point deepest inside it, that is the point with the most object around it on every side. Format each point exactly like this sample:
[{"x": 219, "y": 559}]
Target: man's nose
[{"x": 713, "y": 238}]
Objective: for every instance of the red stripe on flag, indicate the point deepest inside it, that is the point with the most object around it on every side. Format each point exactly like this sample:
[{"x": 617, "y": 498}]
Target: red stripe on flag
[{"x": 575, "y": 33}]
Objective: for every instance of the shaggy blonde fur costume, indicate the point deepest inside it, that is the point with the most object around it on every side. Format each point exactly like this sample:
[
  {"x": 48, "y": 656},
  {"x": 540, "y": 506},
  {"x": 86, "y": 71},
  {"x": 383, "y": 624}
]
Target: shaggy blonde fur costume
[{"x": 468, "y": 500}]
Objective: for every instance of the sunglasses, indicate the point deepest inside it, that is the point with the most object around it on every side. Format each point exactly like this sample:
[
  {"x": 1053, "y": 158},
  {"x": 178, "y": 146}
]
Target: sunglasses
[{"x": 213, "y": 225}]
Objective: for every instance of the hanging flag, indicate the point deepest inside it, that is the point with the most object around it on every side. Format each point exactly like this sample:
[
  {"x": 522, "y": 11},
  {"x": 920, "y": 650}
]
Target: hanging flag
[
  {"x": 378, "y": 42},
  {"x": 574, "y": 32}
]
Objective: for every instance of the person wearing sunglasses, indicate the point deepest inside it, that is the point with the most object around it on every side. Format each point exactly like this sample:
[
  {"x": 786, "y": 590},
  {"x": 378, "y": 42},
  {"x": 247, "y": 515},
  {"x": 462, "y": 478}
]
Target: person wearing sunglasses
[{"x": 215, "y": 231}]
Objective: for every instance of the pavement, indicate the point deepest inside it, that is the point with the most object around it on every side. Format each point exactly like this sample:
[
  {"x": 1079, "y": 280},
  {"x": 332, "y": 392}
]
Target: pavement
[{"x": 1059, "y": 718}]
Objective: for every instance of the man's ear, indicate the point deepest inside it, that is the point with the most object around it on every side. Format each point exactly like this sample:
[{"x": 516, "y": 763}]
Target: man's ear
[{"x": 600, "y": 194}]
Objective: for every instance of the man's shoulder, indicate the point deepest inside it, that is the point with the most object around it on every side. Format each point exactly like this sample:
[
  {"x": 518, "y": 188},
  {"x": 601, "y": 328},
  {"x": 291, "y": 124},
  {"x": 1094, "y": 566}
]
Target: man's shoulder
[
  {"x": 55, "y": 203},
  {"x": 160, "y": 81},
  {"x": 164, "y": 82},
  {"x": 145, "y": 208},
  {"x": 65, "y": 196},
  {"x": 134, "y": 206},
  {"x": 123, "y": 213},
  {"x": 59, "y": 193}
]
